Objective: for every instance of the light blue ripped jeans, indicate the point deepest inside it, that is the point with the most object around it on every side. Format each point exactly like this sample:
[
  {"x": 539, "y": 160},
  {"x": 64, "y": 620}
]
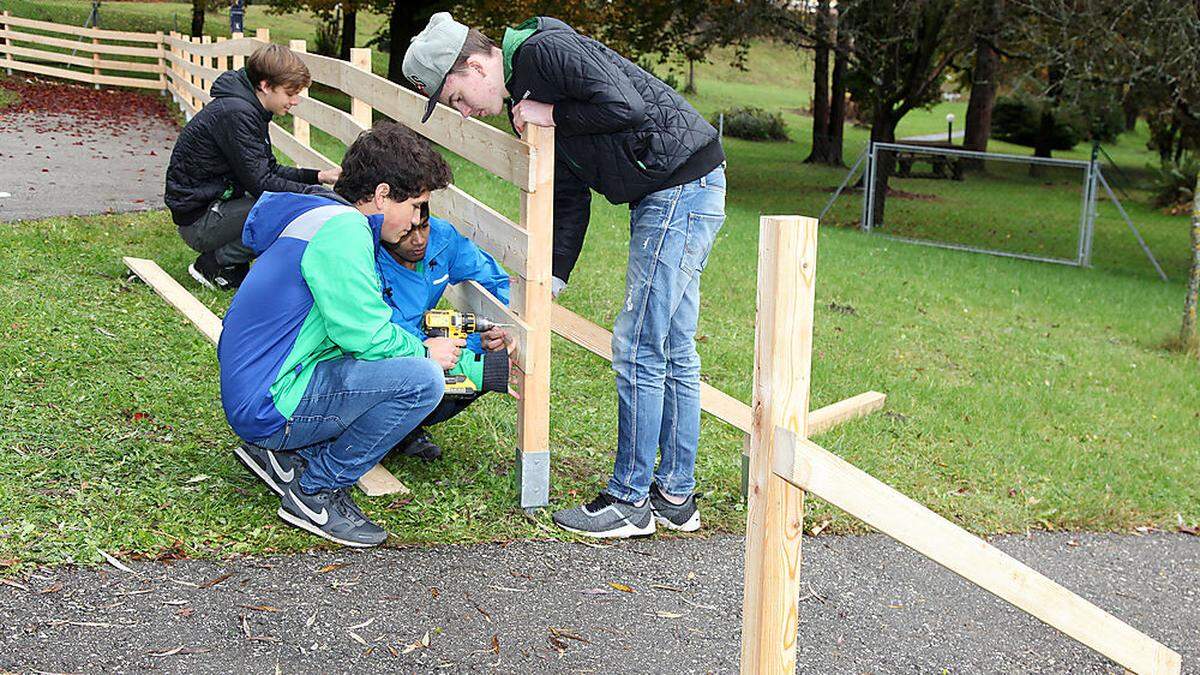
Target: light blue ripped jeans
[{"x": 654, "y": 350}]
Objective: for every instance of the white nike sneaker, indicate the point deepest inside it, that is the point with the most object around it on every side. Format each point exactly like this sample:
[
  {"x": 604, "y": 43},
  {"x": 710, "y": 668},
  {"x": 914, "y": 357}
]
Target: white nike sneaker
[
  {"x": 331, "y": 514},
  {"x": 277, "y": 469}
]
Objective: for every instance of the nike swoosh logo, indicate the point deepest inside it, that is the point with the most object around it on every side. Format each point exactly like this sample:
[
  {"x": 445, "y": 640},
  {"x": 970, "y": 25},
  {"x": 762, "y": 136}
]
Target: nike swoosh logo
[
  {"x": 444, "y": 278},
  {"x": 285, "y": 476},
  {"x": 318, "y": 518}
]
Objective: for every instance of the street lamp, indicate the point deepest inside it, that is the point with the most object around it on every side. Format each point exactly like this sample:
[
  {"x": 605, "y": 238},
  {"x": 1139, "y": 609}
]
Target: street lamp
[{"x": 950, "y": 128}]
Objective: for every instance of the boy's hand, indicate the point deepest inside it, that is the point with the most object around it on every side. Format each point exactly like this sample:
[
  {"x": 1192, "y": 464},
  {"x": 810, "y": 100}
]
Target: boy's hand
[
  {"x": 445, "y": 351},
  {"x": 329, "y": 176},
  {"x": 532, "y": 112},
  {"x": 494, "y": 340}
]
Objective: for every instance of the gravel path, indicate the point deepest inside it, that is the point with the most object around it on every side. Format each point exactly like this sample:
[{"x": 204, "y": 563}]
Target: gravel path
[{"x": 666, "y": 605}]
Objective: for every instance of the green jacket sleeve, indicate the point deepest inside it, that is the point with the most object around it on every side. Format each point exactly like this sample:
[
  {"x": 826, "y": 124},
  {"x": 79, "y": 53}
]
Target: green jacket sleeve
[
  {"x": 339, "y": 267},
  {"x": 488, "y": 370}
]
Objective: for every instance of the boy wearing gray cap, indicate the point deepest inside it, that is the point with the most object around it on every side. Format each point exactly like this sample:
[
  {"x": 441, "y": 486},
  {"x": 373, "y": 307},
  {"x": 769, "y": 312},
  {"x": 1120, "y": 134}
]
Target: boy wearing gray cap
[{"x": 625, "y": 134}]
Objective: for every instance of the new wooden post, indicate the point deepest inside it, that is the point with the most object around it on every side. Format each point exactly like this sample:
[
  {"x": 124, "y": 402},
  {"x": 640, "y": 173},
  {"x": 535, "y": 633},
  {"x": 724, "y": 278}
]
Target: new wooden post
[
  {"x": 220, "y": 62},
  {"x": 533, "y": 410},
  {"x": 360, "y": 57},
  {"x": 4, "y": 26},
  {"x": 162, "y": 62},
  {"x": 787, "y": 260},
  {"x": 300, "y": 127},
  {"x": 262, "y": 34},
  {"x": 195, "y": 81},
  {"x": 238, "y": 59},
  {"x": 204, "y": 61},
  {"x": 96, "y": 64}
]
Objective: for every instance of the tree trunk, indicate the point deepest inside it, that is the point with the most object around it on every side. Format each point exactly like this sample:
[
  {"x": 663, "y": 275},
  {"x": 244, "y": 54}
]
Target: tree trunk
[
  {"x": 349, "y": 30},
  {"x": 1187, "y": 334},
  {"x": 837, "y": 99},
  {"x": 1130, "y": 107},
  {"x": 197, "y": 18},
  {"x": 820, "y": 111},
  {"x": 1043, "y": 146},
  {"x": 883, "y": 130},
  {"x": 983, "y": 81}
]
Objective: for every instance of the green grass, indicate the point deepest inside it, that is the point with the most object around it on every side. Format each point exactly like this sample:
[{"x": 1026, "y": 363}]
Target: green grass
[{"x": 1020, "y": 395}]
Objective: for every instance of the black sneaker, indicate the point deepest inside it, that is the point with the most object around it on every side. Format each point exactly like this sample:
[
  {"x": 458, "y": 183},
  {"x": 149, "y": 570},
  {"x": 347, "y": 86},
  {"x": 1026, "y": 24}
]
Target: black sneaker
[
  {"x": 606, "y": 516},
  {"x": 209, "y": 273},
  {"x": 684, "y": 517},
  {"x": 331, "y": 514},
  {"x": 277, "y": 469},
  {"x": 418, "y": 444}
]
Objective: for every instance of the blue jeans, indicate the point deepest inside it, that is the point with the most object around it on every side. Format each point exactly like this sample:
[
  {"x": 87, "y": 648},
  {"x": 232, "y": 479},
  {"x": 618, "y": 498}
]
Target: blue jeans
[
  {"x": 654, "y": 351},
  {"x": 353, "y": 413}
]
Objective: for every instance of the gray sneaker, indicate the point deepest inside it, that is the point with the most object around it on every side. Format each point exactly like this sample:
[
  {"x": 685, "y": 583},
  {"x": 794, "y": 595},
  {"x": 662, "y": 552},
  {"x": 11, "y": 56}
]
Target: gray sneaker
[
  {"x": 277, "y": 469},
  {"x": 684, "y": 517},
  {"x": 606, "y": 516},
  {"x": 331, "y": 514}
]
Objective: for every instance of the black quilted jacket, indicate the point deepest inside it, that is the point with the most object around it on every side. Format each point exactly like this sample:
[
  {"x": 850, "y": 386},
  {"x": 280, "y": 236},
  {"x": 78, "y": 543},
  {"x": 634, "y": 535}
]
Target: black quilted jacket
[
  {"x": 618, "y": 130},
  {"x": 227, "y": 145}
]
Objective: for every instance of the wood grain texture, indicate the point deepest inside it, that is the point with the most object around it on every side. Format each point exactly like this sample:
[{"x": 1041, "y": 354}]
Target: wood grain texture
[{"x": 782, "y": 366}]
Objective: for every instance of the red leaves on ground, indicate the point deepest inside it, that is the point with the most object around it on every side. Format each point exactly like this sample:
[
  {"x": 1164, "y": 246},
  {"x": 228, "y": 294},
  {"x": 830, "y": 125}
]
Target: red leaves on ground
[{"x": 70, "y": 107}]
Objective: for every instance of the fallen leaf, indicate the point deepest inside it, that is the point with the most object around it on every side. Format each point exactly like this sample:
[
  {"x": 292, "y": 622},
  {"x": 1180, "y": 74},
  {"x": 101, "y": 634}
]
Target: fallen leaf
[
  {"x": 668, "y": 615},
  {"x": 357, "y": 638},
  {"x": 496, "y": 645},
  {"x": 364, "y": 624},
  {"x": 624, "y": 588},
  {"x": 186, "y": 612},
  {"x": 331, "y": 567},
  {"x": 216, "y": 580},
  {"x": 261, "y": 608},
  {"x": 14, "y": 584},
  {"x": 596, "y": 591},
  {"x": 115, "y": 563},
  {"x": 198, "y": 479}
]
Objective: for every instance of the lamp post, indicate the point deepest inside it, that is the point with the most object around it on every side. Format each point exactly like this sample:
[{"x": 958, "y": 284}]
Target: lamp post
[{"x": 950, "y": 128}]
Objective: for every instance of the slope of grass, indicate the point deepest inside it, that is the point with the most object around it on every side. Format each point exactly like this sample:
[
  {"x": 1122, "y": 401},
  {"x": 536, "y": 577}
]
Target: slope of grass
[{"x": 1021, "y": 395}]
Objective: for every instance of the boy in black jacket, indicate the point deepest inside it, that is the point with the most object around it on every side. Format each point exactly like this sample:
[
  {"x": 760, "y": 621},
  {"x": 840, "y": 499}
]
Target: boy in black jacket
[
  {"x": 625, "y": 134},
  {"x": 222, "y": 162}
]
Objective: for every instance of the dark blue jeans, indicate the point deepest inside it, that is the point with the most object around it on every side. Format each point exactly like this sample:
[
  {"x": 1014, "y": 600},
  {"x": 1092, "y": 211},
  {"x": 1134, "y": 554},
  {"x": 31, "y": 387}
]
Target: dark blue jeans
[{"x": 353, "y": 413}]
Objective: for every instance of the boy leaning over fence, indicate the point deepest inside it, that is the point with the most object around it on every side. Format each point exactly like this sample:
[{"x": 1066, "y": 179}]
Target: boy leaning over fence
[
  {"x": 223, "y": 161},
  {"x": 315, "y": 376},
  {"x": 625, "y": 134}
]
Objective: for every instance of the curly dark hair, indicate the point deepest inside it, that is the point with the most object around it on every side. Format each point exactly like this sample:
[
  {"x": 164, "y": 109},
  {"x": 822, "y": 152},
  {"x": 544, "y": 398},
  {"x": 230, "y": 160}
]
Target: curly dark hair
[{"x": 394, "y": 154}]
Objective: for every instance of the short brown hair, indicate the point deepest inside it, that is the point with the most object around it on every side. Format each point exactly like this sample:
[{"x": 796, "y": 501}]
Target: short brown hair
[
  {"x": 476, "y": 43},
  {"x": 391, "y": 153},
  {"x": 279, "y": 67}
]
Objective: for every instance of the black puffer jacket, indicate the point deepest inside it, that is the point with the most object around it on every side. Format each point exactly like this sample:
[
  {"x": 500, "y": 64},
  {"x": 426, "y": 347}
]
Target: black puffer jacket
[
  {"x": 618, "y": 129},
  {"x": 227, "y": 145}
]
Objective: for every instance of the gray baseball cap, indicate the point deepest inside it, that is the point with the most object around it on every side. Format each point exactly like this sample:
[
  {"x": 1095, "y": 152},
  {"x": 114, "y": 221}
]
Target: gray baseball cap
[{"x": 432, "y": 54}]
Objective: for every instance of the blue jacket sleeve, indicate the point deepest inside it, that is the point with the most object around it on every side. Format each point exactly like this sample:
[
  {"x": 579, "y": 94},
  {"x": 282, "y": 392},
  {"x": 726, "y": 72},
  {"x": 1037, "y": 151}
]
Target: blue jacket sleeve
[{"x": 468, "y": 262}]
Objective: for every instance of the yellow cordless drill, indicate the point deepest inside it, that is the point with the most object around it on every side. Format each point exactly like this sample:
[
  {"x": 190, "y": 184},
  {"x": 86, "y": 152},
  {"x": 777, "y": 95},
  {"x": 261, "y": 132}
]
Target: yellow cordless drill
[{"x": 455, "y": 325}]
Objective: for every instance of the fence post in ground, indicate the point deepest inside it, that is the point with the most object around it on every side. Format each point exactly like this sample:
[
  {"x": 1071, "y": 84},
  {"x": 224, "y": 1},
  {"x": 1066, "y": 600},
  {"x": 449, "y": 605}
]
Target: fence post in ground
[
  {"x": 220, "y": 61},
  {"x": 237, "y": 60},
  {"x": 262, "y": 34},
  {"x": 782, "y": 363},
  {"x": 96, "y": 64},
  {"x": 205, "y": 62},
  {"x": 6, "y": 42},
  {"x": 360, "y": 57},
  {"x": 192, "y": 78},
  {"x": 533, "y": 410},
  {"x": 300, "y": 127},
  {"x": 162, "y": 62}
]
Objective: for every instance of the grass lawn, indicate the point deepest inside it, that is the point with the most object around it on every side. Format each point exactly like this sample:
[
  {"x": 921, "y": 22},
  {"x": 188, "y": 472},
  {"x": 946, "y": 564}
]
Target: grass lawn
[{"x": 1021, "y": 395}]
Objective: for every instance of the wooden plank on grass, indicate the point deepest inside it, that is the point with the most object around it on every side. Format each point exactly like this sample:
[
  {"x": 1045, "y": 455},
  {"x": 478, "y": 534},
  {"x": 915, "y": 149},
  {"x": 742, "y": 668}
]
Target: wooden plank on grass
[
  {"x": 713, "y": 401},
  {"x": 810, "y": 467},
  {"x": 377, "y": 481},
  {"x": 177, "y": 296}
]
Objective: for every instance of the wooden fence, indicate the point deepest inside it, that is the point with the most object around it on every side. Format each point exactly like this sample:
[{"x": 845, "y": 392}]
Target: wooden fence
[{"x": 783, "y": 461}]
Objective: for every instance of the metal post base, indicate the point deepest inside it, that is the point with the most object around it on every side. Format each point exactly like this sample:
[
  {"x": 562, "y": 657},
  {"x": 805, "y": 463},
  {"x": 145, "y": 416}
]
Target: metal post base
[
  {"x": 533, "y": 478},
  {"x": 745, "y": 478}
]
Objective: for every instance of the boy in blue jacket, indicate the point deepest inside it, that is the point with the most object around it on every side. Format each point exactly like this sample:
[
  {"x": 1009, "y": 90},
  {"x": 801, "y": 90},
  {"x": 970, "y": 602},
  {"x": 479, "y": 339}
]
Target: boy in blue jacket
[{"x": 415, "y": 272}]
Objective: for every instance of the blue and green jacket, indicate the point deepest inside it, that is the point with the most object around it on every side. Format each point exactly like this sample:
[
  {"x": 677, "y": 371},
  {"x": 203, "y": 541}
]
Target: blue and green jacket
[{"x": 314, "y": 294}]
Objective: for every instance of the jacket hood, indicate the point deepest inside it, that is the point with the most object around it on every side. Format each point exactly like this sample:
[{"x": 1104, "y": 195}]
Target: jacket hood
[
  {"x": 236, "y": 84},
  {"x": 545, "y": 23},
  {"x": 275, "y": 210}
]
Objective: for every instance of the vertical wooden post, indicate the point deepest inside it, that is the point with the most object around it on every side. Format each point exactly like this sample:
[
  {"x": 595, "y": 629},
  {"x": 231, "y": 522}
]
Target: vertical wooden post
[
  {"x": 96, "y": 64},
  {"x": 191, "y": 58},
  {"x": 205, "y": 84},
  {"x": 162, "y": 62},
  {"x": 300, "y": 127},
  {"x": 262, "y": 34},
  {"x": 360, "y": 57},
  {"x": 4, "y": 26},
  {"x": 238, "y": 59},
  {"x": 221, "y": 62},
  {"x": 787, "y": 258},
  {"x": 533, "y": 410}
]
